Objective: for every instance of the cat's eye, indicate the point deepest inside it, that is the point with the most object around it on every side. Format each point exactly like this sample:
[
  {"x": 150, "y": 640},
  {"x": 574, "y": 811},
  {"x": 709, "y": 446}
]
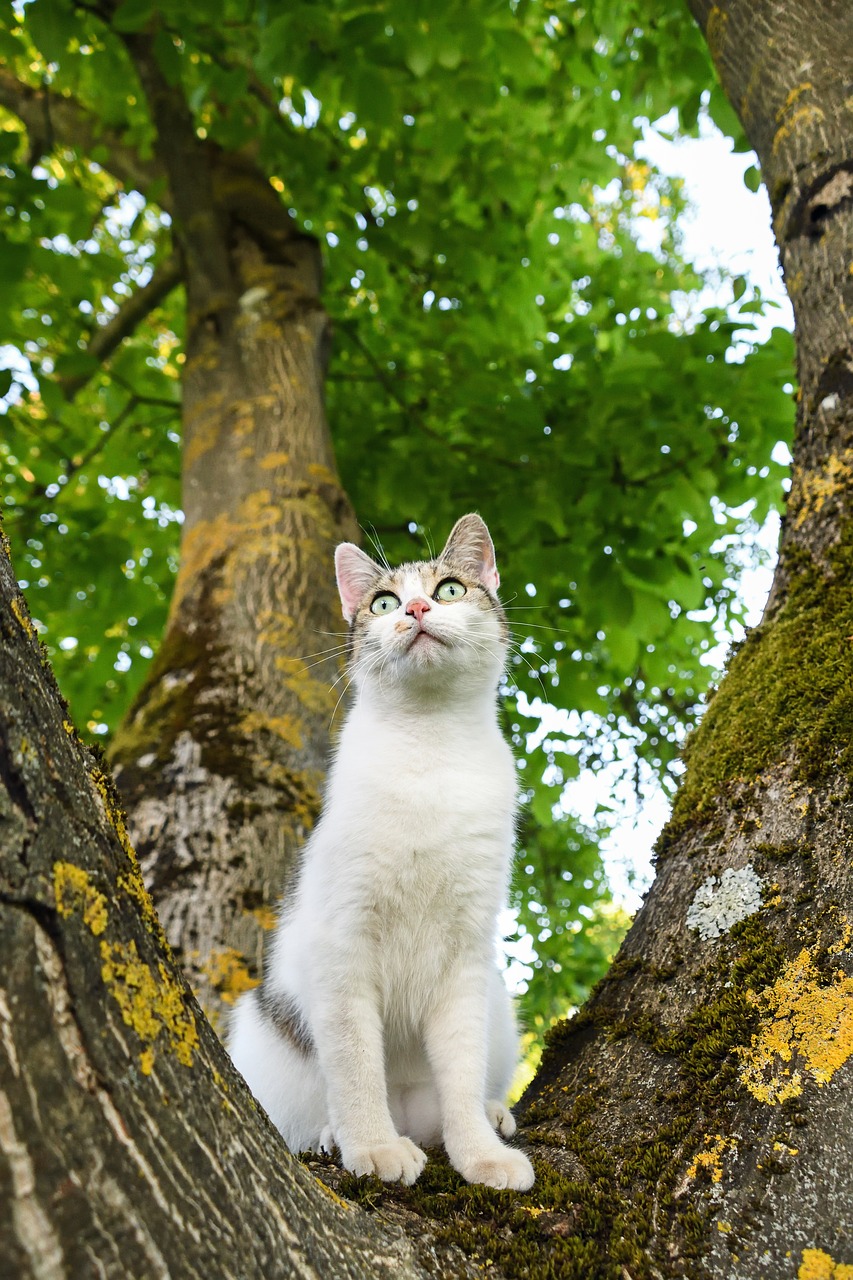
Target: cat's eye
[
  {"x": 450, "y": 589},
  {"x": 385, "y": 602}
]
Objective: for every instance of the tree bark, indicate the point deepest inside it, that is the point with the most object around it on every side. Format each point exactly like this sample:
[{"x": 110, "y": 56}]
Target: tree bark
[
  {"x": 221, "y": 759},
  {"x": 128, "y": 1144}
]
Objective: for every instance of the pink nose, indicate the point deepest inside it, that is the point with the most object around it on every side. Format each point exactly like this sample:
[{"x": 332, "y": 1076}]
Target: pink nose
[{"x": 417, "y": 608}]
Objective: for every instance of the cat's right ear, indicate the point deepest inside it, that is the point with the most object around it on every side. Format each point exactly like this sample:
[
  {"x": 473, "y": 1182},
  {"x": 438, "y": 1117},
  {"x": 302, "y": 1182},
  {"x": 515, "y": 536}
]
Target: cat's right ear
[{"x": 357, "y": 574}]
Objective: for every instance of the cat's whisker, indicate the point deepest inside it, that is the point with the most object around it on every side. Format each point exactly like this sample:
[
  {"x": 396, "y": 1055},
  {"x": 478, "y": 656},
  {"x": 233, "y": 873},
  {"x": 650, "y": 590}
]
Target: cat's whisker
[
  {"x": 330, "y": 657},
  {"x": 373, "y": 538}
]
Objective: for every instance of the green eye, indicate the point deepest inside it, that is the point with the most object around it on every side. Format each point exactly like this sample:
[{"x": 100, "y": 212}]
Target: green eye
[
  {"x": 450, "y": 589},
  {"x": 386, "y": 602}
]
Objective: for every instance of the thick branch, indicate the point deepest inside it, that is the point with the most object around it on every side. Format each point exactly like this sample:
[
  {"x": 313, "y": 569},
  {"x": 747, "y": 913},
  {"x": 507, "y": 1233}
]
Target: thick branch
[
  {"x": 52, "y": 119},
  {"x": 199, "y": 223},
  {"x": 108, "y": 337}
]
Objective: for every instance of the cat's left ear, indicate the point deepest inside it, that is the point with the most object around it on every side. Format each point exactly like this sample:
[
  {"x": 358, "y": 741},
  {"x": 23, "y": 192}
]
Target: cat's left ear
[
  {"x": 470, "y": 546},
  {"x": 357, "y": 574}
]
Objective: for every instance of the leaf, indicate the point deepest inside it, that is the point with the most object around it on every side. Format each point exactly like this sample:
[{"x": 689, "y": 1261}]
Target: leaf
[
  {"x": 133, "y": 15},
  {"x": 419, "y": 58},
  {"x": 52, "y": 26}
]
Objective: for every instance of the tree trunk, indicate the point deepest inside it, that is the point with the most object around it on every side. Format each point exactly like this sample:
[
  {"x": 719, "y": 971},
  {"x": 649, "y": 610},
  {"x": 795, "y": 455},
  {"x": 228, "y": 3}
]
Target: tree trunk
[
  {"x": 221, "y": 758},
  {"x": 700, "y": 1105},
  {"x": 129, "y": 1146}
]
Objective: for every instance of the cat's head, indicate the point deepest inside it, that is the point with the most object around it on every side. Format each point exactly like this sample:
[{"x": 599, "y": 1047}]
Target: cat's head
[{"x": 429, "y": 623}]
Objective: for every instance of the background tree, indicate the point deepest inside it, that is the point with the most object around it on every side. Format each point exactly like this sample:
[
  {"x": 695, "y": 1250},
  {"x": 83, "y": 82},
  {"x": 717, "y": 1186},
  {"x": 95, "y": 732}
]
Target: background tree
[
  {"x": 694, "y": 1118},
  {"x": 501, "y": 341}
]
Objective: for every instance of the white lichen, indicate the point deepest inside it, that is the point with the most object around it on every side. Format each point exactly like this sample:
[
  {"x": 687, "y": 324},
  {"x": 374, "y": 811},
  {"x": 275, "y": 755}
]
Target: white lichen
[{"x": 720, "y": 903}]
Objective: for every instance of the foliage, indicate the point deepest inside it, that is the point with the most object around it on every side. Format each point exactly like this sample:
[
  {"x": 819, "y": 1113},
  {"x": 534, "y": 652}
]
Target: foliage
[{"x": 503, "y": 341}]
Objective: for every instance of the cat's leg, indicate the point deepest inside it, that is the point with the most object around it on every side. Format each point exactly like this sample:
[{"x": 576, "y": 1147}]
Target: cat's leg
[
  {"x": 503, "y": 1055},
  {"x": 348, "y": 1037},
  {"x": 456, "y": 1033}
]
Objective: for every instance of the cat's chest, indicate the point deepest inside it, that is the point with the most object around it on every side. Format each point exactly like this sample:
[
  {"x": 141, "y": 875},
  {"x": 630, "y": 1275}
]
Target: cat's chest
[{"x": 420, "y": 799}]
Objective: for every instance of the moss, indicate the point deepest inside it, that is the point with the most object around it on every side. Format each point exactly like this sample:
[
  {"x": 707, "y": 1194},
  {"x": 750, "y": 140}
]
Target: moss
[
  {"x": 788, "y": 694},
  {"x": 593, "y": 1227}
]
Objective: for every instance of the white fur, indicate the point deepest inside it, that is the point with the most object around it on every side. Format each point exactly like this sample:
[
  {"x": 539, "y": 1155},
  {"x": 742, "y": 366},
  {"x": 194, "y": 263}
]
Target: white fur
[{"x": 387, "y": 947}]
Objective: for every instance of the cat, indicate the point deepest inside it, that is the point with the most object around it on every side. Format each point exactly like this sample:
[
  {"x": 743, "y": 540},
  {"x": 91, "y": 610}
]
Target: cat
[{"x": 383, "y": 1024}]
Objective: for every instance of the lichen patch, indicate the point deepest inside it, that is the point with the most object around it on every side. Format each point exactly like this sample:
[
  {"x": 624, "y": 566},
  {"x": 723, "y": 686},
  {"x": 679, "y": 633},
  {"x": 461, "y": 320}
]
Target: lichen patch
[
  {"x": 817, "y": 1265},
  {"x": 806, "y": 1031},
  {"x": 710, "y": 1160},
  {"x": 722, "y": 902},
  {"x": 151, "y": 1003},
  {"x": 229, "y": 974},
  {"x": 75, "y": 893}
]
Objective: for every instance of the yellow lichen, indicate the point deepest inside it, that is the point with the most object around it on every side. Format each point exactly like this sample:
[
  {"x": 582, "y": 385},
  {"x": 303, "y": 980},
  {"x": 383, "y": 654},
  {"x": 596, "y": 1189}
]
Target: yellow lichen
[
  {"x": 711, "y": 1159},
  {"x": 793, "y": 94},
  {"x": 800, "y": 1019},
  {"x": 715, "y": 30},
  {"x": 815, "y": 489},
  {"x": 817, "y": 1265},
  {"x": 74, "y": 892},
  {"x": 22, "y": 616},
  {"x": 277, "y": 459},
  {"x": 284, "y": 727},
  {"x": 803, "y": 115},
  {"x": 333, "y": 1195},
  {"x": 146, "y": 1061},
  {"x": 151, "y": 1002},
  {"x": 265, "y": 917},
  {"x": 129, "y": 880},
  {"x": 315, "y": 695},
  {"x": 228, "y": 974}
]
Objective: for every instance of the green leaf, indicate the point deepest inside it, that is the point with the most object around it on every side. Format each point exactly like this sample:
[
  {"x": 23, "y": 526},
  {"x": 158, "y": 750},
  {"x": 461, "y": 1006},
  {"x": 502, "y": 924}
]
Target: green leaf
[{"x": 133, "y": 15}]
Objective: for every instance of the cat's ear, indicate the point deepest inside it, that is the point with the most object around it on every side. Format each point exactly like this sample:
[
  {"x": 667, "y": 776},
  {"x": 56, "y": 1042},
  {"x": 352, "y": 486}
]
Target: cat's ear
[
  {"x": 470, "y": 546},
  {"x": 356, "y": 574}
]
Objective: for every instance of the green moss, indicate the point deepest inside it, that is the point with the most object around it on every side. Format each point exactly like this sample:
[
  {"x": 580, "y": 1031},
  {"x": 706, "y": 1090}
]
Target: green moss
[
  {"x": 592, "y": 1227},
  {"x": 788, "y": 694}
]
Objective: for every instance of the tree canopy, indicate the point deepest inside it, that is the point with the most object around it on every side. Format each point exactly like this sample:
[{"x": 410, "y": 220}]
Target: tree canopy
[{"x": 512, "y": 331}]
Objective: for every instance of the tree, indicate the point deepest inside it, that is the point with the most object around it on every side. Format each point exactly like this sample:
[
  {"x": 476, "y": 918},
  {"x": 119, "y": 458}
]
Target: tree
[
  {"x": 732, "y": 1040},
  {"x": 224, "y": 150}
]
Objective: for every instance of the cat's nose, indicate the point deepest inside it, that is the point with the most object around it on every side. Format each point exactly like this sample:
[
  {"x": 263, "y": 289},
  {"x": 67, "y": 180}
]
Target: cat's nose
[{"x": 417, "y": 608}]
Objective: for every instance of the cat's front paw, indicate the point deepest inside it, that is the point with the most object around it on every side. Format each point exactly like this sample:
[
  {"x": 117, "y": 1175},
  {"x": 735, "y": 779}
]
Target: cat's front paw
[
  {"x": 500, "y": 1118},
  {"x": 505, "y": 1170},
  {"x": 397, "y": 1161}
]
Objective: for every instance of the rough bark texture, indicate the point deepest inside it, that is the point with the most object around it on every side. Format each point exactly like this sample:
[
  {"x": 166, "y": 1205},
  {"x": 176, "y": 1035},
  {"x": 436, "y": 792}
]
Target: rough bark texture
[
  {"x": 221, "y": 759},
  {"x": 128, "y": 1144}
]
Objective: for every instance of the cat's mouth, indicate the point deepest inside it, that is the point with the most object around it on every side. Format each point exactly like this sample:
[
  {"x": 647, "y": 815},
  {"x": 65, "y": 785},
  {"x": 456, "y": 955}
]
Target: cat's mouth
[{"x": 422, "y": 634}]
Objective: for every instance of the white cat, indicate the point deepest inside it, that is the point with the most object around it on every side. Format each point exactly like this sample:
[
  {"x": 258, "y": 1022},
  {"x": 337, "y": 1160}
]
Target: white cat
[{"x": 383, "y": 1020}]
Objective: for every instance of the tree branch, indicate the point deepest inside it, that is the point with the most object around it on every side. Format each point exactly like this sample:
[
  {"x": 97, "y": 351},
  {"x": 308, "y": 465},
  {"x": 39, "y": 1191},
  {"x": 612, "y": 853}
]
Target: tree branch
[
  {"x": 199, "y": 224},
  {"x": 52, "y": 118},
  {"x": 109, "y": 336}
]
